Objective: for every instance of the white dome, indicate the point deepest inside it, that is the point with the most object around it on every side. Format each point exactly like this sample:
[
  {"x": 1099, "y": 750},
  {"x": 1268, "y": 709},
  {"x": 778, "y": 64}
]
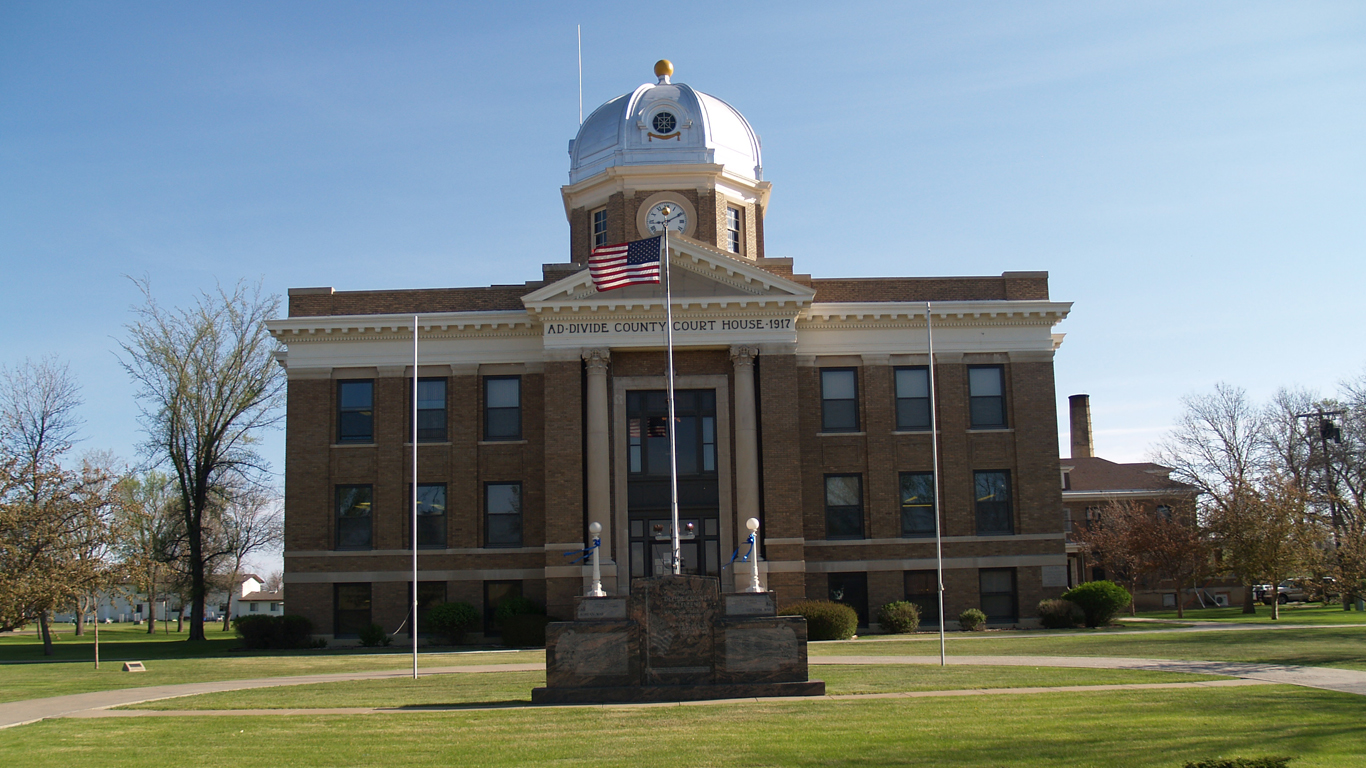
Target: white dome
[{"x": 635, "y": 129}]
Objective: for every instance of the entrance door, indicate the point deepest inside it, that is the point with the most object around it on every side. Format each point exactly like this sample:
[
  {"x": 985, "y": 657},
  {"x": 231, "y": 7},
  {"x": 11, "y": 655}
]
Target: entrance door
[{"x": 648, "y": 491}]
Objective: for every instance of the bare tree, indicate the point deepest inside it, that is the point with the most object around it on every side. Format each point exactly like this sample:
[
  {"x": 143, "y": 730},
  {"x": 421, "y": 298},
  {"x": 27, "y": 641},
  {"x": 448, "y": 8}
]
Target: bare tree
[
  {"x": 38, "y": 421},
  {"x": 38, "y": 425},
  {"x": 1114, "y": 540},
  {"x": 275, "y": 581},
  {"x": 1173, "y": 547},
  {"x": 147, "y": 520},
  {"x": 250, "y": 522},
  {"x": 208, "y": 384},
  {"x": 52, "y": 549},
  {"x": 1218, "y": 446}
]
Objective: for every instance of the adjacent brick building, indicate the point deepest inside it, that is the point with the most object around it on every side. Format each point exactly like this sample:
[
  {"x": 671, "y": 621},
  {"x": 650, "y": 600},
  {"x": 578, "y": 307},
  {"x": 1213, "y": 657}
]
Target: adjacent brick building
[{"x": 801, "y": 401}]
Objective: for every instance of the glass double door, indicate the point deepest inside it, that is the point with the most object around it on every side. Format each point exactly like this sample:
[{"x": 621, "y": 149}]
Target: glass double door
[
  {"x": 648, "y": 491},
  {"x": 698, "y": 544}
]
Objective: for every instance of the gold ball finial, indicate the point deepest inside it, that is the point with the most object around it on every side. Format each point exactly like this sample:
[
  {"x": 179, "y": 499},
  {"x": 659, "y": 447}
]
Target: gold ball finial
[{"x": 664, "y": 68}]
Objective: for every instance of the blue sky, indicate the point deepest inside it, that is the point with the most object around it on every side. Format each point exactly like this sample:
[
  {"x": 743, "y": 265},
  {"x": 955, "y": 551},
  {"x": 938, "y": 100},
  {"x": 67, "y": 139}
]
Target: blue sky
[{"x": 1193, "y": 176}]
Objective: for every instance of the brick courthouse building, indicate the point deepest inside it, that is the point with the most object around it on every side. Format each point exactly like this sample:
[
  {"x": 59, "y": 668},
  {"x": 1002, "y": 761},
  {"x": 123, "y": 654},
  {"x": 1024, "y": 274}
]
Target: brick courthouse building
[{"x": 802, "y": 401}]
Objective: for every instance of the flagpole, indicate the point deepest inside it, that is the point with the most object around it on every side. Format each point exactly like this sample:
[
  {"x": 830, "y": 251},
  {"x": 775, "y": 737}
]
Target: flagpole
[
  {"x": 934, "y": 454},
  {"x": 673, "y": 439},
  {"x": 412, "y": 626}
]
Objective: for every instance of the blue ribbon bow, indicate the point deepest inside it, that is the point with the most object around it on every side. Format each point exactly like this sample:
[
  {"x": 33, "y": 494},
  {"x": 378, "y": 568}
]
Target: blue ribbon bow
[
  {"x": 583, "y": 554},
  {"x": 736, "y": 554}
]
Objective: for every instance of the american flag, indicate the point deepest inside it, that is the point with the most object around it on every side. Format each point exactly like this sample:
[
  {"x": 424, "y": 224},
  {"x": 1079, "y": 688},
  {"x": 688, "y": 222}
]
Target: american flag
[{"x": 613, "y": 266}]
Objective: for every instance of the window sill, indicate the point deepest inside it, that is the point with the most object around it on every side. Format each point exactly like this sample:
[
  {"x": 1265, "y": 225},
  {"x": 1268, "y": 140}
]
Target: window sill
[
  {"x": 421, "y": 443},
  {"x": 995, "y": 533},
  {"x": 354, "y": 445},
  {"x": 840, "y": 434},
  {"x": 913, "y": 431},
  {"x": 845, "y": 538},
  {"x": 503, "y": 442},
  {"x": 975, "y": 430}
]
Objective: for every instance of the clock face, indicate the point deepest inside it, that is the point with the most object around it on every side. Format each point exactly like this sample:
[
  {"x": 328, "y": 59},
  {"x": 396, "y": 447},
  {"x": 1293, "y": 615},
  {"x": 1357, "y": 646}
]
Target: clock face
[{"x": 677, "y": 220}]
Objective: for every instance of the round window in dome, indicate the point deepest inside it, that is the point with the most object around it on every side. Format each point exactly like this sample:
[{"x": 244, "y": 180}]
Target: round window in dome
[{"x": 665, "y": 122}]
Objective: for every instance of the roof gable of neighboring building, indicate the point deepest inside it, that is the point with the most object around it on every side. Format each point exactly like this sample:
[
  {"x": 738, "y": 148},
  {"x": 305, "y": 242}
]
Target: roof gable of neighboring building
[{"x": 1094, "y": 475}]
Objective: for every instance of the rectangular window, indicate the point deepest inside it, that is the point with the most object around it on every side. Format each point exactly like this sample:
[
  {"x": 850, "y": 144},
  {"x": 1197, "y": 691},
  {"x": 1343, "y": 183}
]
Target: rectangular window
[
  {"x": 353, "y": 516},
  {"x": 912, "y": 398},
  {"x": 599, "y": 227},
  {"x": 839, "y": 400},
  {"x": 852, "y": 590},
  {"x": 430, "y": 594},
  {"x": 431, "y": 515},
  {"x": 503, "y": 408},
  {"x": 986, "y": 391},
  {"x": 253, "y": 608},
  {"x": 733, "y": 229},
  {"x": 503, "y": 514},
  {"x": 843, "y": 506},
  {"x": 431, "y": 410},
  {"x": 275, "y": 607},
  {"x": 922, "y": 588},
  {"x": 496, "y": 592},
  {"x": 356, "y": 411},
  {"x": 351, "y": 612},
  {"x": 998, "y": 593},
  {"x": 917, "y": 503},
  {"x": 992, "y": 494}
]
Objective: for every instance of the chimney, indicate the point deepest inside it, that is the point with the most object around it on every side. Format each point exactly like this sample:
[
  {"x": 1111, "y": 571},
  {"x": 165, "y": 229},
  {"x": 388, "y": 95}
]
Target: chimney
[{"x": 1080, "y": 406}]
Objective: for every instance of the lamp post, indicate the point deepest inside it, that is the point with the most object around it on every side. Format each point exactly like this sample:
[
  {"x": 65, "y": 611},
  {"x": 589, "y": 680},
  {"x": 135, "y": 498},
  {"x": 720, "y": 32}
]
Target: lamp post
[
  {"x": 753, "y": 525},
  {"x": 595, "y": 589}
]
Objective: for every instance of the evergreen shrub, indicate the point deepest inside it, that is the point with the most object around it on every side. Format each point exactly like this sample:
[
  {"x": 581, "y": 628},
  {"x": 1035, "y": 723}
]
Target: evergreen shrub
[
  {"x": 525, "y": 630},
  {"x": 374, "y": 636},
  {"x": 899, "y": 618},
  {"x": 972, "y": 620},
  {"x": 825, "y": 619},
  {"x": 450, "y": 621},
  {"x": 1061, "y": 614},
  {"x": 1099, "y": 600},
  {"x": 516, "y": 606},
  {"x": 274, "y": 632}
]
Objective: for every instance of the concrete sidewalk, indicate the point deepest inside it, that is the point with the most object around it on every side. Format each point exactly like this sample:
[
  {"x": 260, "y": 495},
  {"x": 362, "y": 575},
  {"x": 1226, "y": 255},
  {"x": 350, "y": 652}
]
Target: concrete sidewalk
[{"x": 1328, "y": 678}]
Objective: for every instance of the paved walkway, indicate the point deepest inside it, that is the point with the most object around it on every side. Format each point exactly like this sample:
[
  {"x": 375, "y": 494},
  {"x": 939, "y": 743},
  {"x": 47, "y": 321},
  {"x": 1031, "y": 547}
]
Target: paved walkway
[{"x": 99, "y": 704}]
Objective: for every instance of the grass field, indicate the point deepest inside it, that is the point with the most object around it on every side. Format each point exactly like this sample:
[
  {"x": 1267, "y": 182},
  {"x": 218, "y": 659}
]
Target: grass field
[
  {"x": 1132, "y": 729},
  {"x": 515, "y": 687}
]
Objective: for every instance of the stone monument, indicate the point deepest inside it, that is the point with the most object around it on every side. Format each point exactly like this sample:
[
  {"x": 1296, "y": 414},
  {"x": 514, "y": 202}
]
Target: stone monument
[{"x": 676, "y": 638}]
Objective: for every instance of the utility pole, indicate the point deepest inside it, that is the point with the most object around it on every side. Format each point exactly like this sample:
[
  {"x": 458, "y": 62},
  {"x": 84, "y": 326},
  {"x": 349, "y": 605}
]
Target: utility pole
[{"x": 1328, "y": 431}]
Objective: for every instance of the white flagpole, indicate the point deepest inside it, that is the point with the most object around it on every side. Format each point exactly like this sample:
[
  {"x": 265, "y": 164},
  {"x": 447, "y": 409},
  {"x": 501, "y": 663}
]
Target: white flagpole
[
  {"x": 673, "y": 440},
  {"x": 934, "y": 453},
  {"x": 412, "y": 626}
]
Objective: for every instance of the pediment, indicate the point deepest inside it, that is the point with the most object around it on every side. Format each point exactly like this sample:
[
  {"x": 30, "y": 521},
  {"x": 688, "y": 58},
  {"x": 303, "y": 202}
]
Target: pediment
[{"x": 701, "y": 275}]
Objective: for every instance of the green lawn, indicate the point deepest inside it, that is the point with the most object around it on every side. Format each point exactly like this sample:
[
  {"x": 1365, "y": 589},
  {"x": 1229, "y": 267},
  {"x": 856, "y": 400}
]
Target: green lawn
[
  {"x": 457, "y": 689},
  {"x": 1133, "y": 729},
  {"x": 1332, "y": 647},
  {"x": 1307, "y": 613}
]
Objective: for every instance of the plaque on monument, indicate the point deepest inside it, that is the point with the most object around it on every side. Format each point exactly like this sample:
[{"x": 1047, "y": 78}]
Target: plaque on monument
[
  {"x": 600, "y": 608},
  {"x": 675, "y": 616}
]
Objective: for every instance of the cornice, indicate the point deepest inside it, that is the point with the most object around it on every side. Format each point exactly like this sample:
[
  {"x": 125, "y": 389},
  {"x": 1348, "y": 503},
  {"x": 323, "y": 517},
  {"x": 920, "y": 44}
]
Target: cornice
[
  {"x": 630, "y": 179},
  {"x": 436, "y": 325},
  {"x": 911, "y": 314}
]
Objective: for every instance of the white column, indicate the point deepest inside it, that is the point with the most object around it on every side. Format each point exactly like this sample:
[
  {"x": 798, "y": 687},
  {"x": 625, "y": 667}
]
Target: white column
[
  {"x": 746, "y": 442},
  {"x": 598, "y": 458}
]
